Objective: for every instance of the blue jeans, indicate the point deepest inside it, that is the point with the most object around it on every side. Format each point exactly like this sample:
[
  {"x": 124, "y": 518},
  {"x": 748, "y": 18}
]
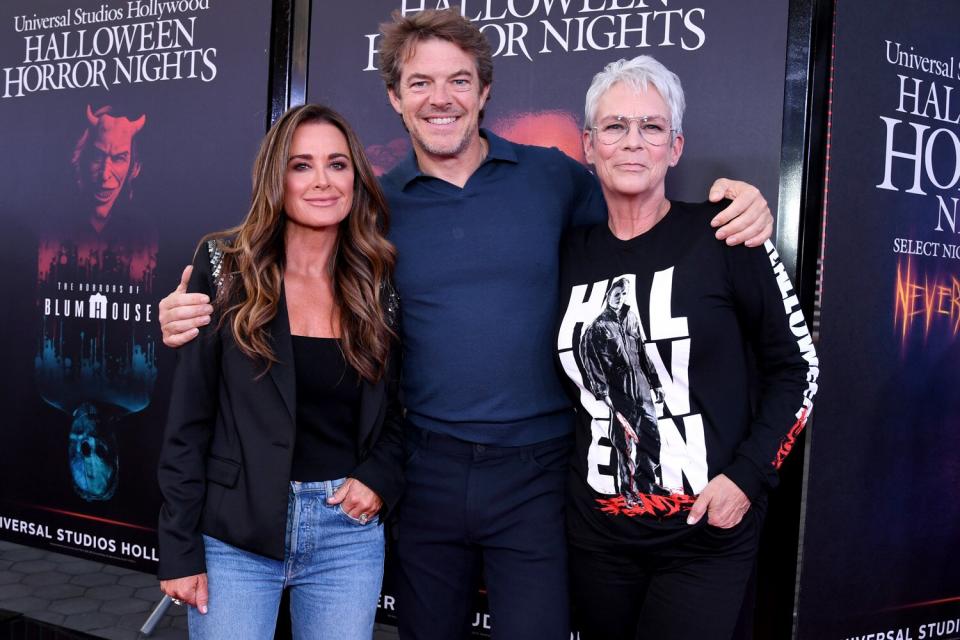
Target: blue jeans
[{"x": 332, "y": 564}]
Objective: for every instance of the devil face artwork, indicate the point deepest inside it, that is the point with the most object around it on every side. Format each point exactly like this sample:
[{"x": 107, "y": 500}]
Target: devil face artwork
[
  {"x": 96, "y": 358},
  {"x": 105, "y": 161}
]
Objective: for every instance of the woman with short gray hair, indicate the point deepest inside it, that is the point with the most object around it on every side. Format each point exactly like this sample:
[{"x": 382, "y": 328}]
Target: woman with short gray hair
[{"x": 664, "y": 328}]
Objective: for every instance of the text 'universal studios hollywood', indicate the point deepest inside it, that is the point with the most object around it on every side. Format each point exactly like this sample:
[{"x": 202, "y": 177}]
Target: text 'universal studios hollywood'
[{"x": 58, "y": 55}]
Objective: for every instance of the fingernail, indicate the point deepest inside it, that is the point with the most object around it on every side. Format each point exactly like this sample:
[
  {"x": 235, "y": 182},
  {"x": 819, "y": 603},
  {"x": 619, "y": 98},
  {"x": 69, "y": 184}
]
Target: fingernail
[
  {"x": 205, "y": 320},
  {"x": 691, "y": 520},
  {"x": 203, "y": 608}
]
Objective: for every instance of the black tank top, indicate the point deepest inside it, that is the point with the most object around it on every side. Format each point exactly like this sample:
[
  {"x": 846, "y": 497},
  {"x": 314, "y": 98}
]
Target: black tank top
[{"x": 328, "y": 401}]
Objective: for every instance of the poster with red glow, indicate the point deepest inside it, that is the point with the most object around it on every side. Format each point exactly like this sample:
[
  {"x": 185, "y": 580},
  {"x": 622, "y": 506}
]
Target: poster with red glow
[
  {"x": 882, "y": 519},
  {"x": 128, "y": 133}
]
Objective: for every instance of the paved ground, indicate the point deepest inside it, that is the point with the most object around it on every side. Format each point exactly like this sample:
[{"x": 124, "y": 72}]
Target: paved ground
[{"x": 101, "y": 600}]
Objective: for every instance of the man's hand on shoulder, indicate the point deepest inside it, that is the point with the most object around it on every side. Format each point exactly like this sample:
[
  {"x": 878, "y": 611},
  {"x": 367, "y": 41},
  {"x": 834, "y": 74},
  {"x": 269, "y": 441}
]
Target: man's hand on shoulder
[
  {"x": 747, "y": 219},
  {"x": 182, "y": 313}
]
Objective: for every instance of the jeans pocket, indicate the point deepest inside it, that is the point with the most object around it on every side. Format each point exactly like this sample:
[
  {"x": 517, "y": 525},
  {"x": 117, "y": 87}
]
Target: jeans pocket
[
  {"x": 552, "y": 456},
  {"x": 356, "y": 521}
]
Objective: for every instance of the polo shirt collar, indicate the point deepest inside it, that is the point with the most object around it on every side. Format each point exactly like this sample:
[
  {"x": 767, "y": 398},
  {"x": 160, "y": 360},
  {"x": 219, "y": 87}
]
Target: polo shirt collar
[
  {"x": 500, "y": 149},
  {"x": 408, "y": 170}
]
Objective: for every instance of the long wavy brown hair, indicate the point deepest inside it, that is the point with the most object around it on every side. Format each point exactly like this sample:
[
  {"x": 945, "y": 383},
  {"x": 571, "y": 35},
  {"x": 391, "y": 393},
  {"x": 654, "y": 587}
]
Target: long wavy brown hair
[{"x": 361, "y": 263}]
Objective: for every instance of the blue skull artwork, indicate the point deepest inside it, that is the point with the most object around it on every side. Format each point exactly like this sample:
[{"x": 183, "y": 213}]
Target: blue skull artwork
[{"x": 92, "y": 452}]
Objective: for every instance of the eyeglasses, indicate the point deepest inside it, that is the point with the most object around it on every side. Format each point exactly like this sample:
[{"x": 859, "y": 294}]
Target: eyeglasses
[{"x": 654, "y": 129}]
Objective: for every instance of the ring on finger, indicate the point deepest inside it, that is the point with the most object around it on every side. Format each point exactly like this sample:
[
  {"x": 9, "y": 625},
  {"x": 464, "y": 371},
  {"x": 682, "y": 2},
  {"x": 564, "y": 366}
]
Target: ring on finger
[
  {"x": 363, "y": 518},
  {"x": 176, "y": 601}
]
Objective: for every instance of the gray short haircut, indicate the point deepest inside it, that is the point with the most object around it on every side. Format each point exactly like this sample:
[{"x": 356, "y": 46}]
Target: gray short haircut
[{"x": 638, "y": 73}]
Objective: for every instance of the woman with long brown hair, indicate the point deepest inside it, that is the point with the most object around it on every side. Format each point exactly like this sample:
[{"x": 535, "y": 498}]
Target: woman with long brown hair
[{"x": 282, "y": 446}]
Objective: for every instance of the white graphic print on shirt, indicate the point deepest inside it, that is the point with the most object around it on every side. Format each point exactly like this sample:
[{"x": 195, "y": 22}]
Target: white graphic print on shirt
[{"x": 634, "y": 398}]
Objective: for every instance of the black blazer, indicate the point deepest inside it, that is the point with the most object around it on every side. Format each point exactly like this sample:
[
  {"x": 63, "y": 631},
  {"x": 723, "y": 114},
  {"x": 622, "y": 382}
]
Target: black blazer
[{"x": 228, "y": 445}]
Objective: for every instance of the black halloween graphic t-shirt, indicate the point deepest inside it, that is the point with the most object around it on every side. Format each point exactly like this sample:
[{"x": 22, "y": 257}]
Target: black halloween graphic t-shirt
[{"x": 685, "y": 359}]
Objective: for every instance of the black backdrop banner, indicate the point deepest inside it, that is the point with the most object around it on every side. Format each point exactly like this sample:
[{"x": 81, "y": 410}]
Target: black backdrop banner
[
  {"x": 128, "y": 131},
  {"x": 882, "y": 519},
  {"x": 546, "y": 52}
]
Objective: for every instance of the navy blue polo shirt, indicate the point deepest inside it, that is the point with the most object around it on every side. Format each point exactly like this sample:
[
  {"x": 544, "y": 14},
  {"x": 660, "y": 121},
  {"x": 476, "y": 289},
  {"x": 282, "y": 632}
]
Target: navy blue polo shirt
[{"x": 477, "y": 275}]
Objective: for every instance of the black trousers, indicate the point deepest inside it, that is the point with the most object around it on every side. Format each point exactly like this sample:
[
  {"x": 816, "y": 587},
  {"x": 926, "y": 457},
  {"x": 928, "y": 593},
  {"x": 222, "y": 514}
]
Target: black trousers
[
  {"x": 689, "y": 590},
  {"x": 469, "y": 507}
]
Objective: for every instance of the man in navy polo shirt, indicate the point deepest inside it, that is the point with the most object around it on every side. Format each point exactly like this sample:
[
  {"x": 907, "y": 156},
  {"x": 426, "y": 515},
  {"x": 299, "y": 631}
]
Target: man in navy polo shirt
[{"x": 477, "y": 221}]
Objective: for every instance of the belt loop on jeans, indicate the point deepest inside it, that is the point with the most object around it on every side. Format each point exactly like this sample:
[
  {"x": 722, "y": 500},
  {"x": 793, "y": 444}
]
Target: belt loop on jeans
[
  {"x": 415, "y": 437},
  {"x": 327, "y": 487},
  {"x": 445, "y": 444}
]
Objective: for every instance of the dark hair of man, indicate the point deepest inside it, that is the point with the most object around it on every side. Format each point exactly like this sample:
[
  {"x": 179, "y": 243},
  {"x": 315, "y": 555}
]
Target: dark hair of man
[
  {"x": 361, "y": 263},
  {"x": 401, "y": 36}
]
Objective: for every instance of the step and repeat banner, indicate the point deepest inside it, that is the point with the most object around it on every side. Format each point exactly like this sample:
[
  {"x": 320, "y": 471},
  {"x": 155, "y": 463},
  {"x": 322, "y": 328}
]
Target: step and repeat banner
[
  {"x": 128, "y": 131},
  {"x": 883, "y": 491},
  {"x": 546, "y": 53}
]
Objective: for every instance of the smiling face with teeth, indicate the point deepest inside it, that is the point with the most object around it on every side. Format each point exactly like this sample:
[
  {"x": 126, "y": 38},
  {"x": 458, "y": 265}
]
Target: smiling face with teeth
[
  {"x": 440, "y": 98},
  {"x": 318, "y": 181}
]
